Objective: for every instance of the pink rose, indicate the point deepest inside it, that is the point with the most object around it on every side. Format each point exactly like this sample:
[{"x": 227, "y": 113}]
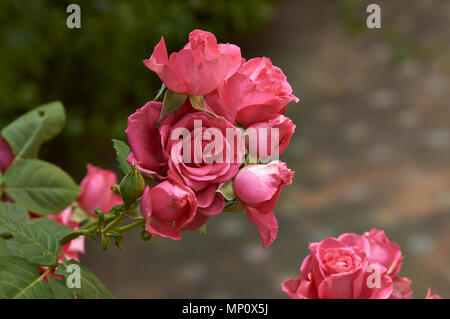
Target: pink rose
[
  {"x": 257, "y": 90},
  {"x": 96, "y": 190},
  {"x": 402, "y": 288},
  {"x": 75, "y": 246},
  {"x": 199, "y": 67},
  {"x": 6, "y": 155},
  {"x": 259, "y": 187},
  {"x": 342, "y": 268},
  {"x": 432, "y": 296},
  {"x": 168, "y": 207},
  {"x": 158, "y": 151},
  {"x": 261, "y": 132}
]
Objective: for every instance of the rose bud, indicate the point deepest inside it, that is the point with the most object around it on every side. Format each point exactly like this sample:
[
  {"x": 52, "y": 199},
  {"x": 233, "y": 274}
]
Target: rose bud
[
  {"x": 259, "y": 187},
  {"x": 132, "y": 186},
  {"x": 199, "y": 67},
  {"x": 167, "y": 208},
  {"x": 96, "y": 190},
  {"x": 273, "y": 134}
]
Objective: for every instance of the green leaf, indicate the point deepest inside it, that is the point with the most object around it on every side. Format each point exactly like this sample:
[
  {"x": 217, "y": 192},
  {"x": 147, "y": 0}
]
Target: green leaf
[
  {"x": 60, "y": 289},
  {"x": 198, "y": 103},
  {"x": 90, "y": 286},
  {"x": 13, "y": 211},
  {"x": 40, "y": 187},
  {"x": 226, "y": 189},
  {"x": 21, "y": 279},
  {"x": 37, "y": 244},
  {"x": 202, "y": 230},
  {"x": 172, "y": 101},
  {"x": 53, "y": 226},
  {"x": 122, "y": 152},
  {"x": 27, "y": 133},
  {"x": 160, "y": 92},
  {"x": 9, "y": 247},
  {"x": 235, "y": 206}
]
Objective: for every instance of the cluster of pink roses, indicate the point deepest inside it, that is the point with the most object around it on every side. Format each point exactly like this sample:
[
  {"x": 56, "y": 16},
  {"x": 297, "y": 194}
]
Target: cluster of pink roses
[
  {"x": 235, "y": 95},
  {"x": 352, "y": 267}
]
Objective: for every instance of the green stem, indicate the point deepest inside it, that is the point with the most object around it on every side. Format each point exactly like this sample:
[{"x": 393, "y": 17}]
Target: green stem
[
  {"x": 111, "y": 216},
  {"x": 136, "y": 224}
]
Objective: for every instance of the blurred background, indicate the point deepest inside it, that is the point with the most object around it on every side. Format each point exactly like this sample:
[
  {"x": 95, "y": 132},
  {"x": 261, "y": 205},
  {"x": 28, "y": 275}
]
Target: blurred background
[{"x": 371, "y": 148}]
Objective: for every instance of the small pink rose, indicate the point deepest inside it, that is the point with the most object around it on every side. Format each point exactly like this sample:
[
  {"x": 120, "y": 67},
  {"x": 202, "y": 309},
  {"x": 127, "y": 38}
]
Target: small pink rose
[
  {"x": 259, "y": 187},
  {"x": 199, "y": 67},
  {"x": 96, "y": 190},
  {"x": 431, "y": 295}
]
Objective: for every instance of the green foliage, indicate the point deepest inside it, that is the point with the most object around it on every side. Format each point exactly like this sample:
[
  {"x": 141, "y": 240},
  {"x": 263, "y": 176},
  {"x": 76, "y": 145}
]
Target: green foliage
[
  {"x": 40, "y": 187},
  {"x": 122, "y": 152},
  {"x": 21, "y": 279},
  {"x": 90, "y": 285},
  {"x": 172, "y": 101},
  {"x": 37, "y": 244},
  {"x": 27, "y": 133}
]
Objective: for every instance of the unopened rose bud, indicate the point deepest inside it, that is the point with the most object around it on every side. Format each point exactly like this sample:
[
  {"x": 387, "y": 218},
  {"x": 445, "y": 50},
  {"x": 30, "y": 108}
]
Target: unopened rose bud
[{"x": 132, "y": 186}]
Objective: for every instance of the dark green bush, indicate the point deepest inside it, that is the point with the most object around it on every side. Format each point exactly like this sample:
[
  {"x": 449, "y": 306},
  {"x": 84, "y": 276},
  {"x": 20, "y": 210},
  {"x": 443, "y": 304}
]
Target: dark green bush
[{"x": 97, "y": 70}]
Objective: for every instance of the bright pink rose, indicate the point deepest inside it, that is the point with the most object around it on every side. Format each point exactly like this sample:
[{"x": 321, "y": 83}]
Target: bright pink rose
[
  {"x": 432, "y": 296},
  {"x": 96, "y": 190},
  {"x": 6, "y": 155},
  {"x": 158, "y": 151},
  {"x": 75, "y": 246},
  {"x": 342, "y": 268},
  {"x": 257, "y": 90},
  {"x": 259, "y": 187},
  {"x": 402, "y": 288},
  {"x": 199, "y": 67},
  {"x": 168, "y": 207},
  {"x": 261, "y": 132}
]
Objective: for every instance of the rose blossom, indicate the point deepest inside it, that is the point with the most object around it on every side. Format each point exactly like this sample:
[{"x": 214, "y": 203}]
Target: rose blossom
[
  {"x": 257, "y": 90},
  {"x": 199, "y": 67},
  {"x": 338, "y": 268},
  {"x": 96, "y": 190},
  {"x": 158, "y": 151},
  {"x": 168, "y": 207},
  {"x": 6, "y": 155},
  {"x": 432, "y": 296},
  {"x": 259, "y": 187}
]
